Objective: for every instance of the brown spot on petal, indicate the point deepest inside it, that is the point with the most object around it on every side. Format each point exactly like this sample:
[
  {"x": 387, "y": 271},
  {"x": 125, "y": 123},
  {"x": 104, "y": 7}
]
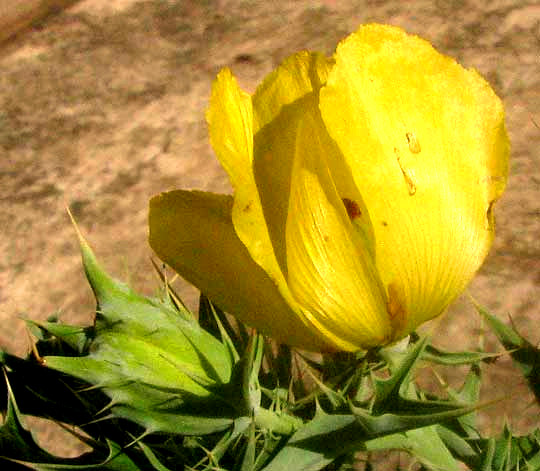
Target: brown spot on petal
[
  {"x": 247, "y": 207},
  {"x": 406, "y": 174},
  {"x": 353, "y": 210},
  {"x": 414, "y": 144}
]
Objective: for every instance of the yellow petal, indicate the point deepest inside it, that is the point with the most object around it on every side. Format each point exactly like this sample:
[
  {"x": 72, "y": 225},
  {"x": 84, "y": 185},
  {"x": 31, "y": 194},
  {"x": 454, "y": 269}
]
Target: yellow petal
[
  {"x": 230, "y": 122},
  {"x": 331, "y": 272},
  {"x": 426, "y": 143},
  {"x": 279, "y": 103},
  {"x": 293, "y": 139},
  {"x": 299, "y": 75},
  {"x": 192, "y": 232},
  {"x": 231, "y": 132}
]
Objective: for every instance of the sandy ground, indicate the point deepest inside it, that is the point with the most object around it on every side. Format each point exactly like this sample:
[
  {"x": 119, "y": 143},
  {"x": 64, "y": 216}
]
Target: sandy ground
[{"x": 102, "y": 106}]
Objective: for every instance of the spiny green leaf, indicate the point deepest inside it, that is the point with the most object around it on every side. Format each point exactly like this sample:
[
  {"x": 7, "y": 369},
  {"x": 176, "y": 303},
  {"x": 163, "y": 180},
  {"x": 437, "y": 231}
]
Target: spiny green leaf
[
  {"x": 155, "y": 409},
  {"x": 336, "y": 399},
  {"x": 15, "y": 440},
  {"x": 318, "y": 444},
  {"x": 47, "y": 393},
  {"x": 239, "y": 427},
  {"x": 397, "y": 394},
  {"x": 270, "y": 444},
  {"x": 248, "y": 459},
  {"x": 435, "y": 456},
  {"x": 116, "y": 460},
  {"x": 387, "y": 391},
  {"x": 154, "y": 362},
  {"x": 530, "y": 446},
  {"x": 487, "y": 456},
  {"x": 207, "y": 316},
  {"x": 152, "y": 458},
  {"x": 170, "y": 294},
  {"x": 508, "y": 452},
  {"x": 128, "y": 358},
  {"x": 18, "y": 446},
  {"x": 327, "y": 437},
  {"x": 525, "y": 355},
  {"x": 469, "y": 392},
  {"x": 122, "y": 310},
  {"x": 458, "y": 446},
  {"x": 506, "y": 455},
  {"x": 214, "y": 321},
  {"x": 387, "y": 423},
  {"x": 174, "y": 422},
  {"x": 251, "y": 367},
  {"x": 436, "y": 355},
  {"x": 75, "y": 336}
]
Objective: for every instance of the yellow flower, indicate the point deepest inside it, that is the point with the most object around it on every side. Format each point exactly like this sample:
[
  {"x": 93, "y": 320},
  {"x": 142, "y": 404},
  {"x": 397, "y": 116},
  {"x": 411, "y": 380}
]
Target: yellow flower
[{"x": 363, "y": 193}]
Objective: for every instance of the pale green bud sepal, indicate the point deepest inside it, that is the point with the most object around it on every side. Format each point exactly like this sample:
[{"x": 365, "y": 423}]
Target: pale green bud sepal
[{"x": 153, "y": 360}]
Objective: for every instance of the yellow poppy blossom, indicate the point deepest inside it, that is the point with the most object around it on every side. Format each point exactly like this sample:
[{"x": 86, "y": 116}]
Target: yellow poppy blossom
[{"x": 363, "y": 193}]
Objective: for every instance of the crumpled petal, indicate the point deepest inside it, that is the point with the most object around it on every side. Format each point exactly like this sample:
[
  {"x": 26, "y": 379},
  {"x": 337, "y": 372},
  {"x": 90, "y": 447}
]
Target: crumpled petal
[
  {"x": 192, "y": 232},
  {"x": 427, "y": 146}
]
